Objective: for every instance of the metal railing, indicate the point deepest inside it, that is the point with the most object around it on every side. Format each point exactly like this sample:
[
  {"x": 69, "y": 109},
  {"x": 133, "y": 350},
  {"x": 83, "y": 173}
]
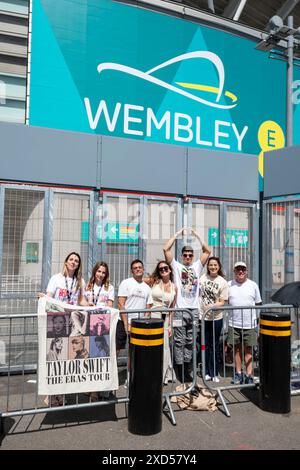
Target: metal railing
[
  {"x": 19, "y": 390},
  {"x": 224, "y": 364}
]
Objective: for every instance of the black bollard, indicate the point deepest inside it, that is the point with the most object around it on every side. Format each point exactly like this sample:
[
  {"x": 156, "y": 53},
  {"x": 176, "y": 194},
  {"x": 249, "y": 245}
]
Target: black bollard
[
  {"x": 275, "y": 362},
  {"x": 145, "y": 378}
]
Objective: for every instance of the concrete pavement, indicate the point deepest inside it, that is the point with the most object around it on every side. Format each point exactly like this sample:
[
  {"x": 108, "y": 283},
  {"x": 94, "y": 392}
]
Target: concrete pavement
[{"x": 104, "y": 428}]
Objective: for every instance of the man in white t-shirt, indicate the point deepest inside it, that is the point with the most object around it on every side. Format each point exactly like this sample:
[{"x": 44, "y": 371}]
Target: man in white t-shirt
[
  {"x": 242, "y": 322},
  {"x": 134, "y": 294},
  {"x": 186, "y": 278}
]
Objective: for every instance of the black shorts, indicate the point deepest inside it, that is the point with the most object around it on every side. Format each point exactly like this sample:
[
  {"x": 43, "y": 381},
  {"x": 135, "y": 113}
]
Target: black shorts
[{"x": 121, "y": 336}]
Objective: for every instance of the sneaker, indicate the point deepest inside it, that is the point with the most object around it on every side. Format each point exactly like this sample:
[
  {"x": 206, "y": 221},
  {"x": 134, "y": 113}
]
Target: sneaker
[
  {"x": 125, "y": 384},
  {"x": 207, "y": 377},
  {"x": 249, "y": 379},
  {"x": 295, "y": 385},
  {"x": 238, "y": 378},
  {"x": 215, "y": 379}
]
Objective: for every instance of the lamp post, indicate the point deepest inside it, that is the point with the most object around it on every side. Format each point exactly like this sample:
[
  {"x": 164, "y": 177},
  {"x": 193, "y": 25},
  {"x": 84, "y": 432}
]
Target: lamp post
[
  {"x": 289, "y": 84},
  {"x": 281, "y": 43}
]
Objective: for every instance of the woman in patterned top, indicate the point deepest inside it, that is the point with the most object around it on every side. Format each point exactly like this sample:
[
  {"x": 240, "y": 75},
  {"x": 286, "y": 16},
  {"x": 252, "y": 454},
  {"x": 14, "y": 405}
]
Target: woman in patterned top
[{"x": 214, "y": 293}]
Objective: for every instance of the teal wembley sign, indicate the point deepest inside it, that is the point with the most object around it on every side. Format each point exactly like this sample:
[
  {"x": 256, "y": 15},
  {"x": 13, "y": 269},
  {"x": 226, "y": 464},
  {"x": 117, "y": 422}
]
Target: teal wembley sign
[{"x": 113, "y": 69}]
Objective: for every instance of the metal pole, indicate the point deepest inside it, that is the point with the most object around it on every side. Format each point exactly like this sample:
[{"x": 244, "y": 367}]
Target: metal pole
[
  {"x": 211, "y": 6},
  {"x": 289, "y": 252},
  {"x": 289, "y": 85},
  {"x": 239, "y": 10}
]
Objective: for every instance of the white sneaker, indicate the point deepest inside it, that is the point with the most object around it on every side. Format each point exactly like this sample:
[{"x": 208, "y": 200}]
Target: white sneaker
[
  {"x": 207, "y": 377},
  {"x": 216, "y": 379}
]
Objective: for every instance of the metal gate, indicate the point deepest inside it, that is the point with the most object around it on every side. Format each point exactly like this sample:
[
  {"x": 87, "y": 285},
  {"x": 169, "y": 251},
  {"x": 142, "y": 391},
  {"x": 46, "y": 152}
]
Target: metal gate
[
  {"x": 133, "y": 226},
  {"x": 40, "y": 226},
  {"x": 281, "y": 243},
  {"x": 231, "y": 230}
]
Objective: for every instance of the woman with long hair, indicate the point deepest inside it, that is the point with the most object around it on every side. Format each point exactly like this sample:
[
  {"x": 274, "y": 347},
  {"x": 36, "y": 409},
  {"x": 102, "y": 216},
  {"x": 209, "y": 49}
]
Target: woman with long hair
[
  {"x": 55, "y": 349},
  {"x": 214, "y": 293},
  {"x": 79, "y": 323},
  {"x": 54, "y": 353},
  {"x": 102, "y": 346},
  {"x": 99, "y": 291},
  {"x": 58, "y": 326},
  {"x": 164, "y": 295},
  {"x": 79, "y": 349},
  {"x": 68, "y": 285}
]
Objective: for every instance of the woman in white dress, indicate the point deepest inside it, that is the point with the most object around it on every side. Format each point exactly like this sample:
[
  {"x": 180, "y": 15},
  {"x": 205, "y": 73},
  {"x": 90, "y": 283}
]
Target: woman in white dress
[{"x": 164, "y": 295}]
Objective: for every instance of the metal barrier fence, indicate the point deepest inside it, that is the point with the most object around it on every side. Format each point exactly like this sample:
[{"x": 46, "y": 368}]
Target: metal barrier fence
[
  {"x": 19, "y": 392},
  {"x": 219, "y": 350},
  {"x": 19, "y": 384}
]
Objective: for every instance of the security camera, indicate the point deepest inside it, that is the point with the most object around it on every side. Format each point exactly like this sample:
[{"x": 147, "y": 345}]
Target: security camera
[{"x": 275, "y": 23}]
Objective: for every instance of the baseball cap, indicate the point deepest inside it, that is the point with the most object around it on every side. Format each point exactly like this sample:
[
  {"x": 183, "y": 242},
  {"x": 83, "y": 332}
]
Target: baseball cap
[
  {"x": 187, "y": 248},
  {"x": 240, "y": 263}
]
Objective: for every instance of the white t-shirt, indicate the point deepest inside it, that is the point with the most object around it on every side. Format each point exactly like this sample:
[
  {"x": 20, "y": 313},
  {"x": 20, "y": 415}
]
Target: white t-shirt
[
  {"x": 186, "y": 278},
  {"x": 64, "y": 288},
  {"x": 243, "y": 294},
  {"x": 101, "y": 294},
  {"x": 212, "y": 290},
  {"x": 138, "y": 296}
]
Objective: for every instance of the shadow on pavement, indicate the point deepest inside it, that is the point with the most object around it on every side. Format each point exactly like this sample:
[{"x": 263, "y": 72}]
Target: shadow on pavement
[
  {"x": 6, "y": 425},
  {"x": 103, "y": 413},
  {"x": 80, "y": 415},
  {"x": 61, "y": 418},
  {"x": 252, "y": 394}
]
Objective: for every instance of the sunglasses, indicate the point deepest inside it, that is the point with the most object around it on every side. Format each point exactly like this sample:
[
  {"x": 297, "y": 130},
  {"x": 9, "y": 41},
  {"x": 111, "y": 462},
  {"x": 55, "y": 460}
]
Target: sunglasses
[
  {"x": 164, "y": 269},
  {"x": 188, "y": 255},
  {"x": 240, "y": 268}
]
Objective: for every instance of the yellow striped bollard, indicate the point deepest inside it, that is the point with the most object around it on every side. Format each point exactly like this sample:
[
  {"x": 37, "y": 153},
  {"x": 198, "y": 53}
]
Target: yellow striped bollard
[
  {"x": 275, "y": 361},
  {"x": 145, "y": 376}
]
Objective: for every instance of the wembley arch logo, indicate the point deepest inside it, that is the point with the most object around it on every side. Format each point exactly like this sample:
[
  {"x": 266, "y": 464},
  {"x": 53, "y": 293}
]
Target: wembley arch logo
[
  {"x": 169, "y": 125},
  {"x": 148, "y": 76}
]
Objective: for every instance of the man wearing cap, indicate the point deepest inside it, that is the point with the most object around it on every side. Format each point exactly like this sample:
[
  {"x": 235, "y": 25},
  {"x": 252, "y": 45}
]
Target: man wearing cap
[
  {"x": 242, "y": 322},
  {"x": 186, "y": 278}
]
